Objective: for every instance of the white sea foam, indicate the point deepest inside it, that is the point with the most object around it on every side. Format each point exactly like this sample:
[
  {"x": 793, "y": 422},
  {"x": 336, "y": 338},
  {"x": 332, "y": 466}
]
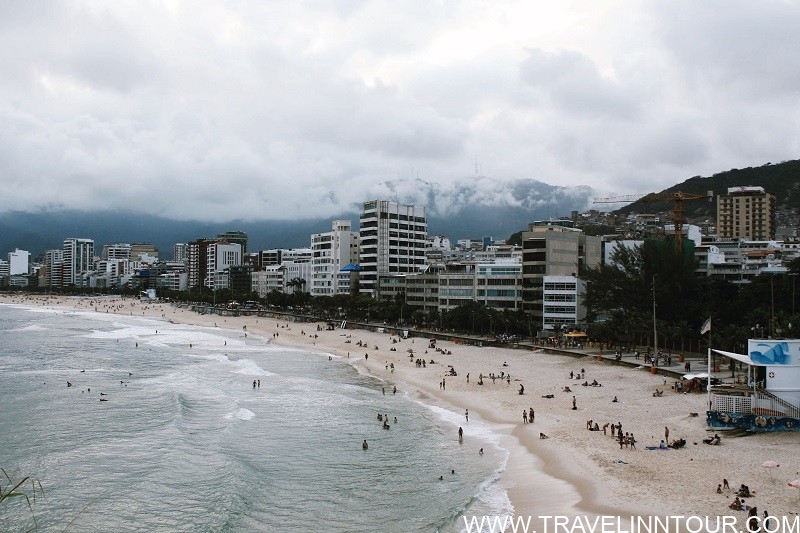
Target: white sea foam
[
  {"x": 474, "y": 428},
  {"x": 250, "y": 368},
  {"x": 32, "y": 327},
  {"x": 490, "y": 492},
  {"x": 241, "y": 414}
]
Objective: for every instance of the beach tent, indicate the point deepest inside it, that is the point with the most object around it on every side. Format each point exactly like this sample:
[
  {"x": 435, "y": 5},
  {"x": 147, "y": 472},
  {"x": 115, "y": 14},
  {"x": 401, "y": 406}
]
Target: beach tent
[
  {"x": 738, "y": 357},
  {"x": 702, "y": 375}
]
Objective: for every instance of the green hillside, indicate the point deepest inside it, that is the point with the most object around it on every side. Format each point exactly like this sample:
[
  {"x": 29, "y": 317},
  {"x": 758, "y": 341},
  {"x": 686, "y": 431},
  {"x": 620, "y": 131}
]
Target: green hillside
[{"x": 782, "y": 180}]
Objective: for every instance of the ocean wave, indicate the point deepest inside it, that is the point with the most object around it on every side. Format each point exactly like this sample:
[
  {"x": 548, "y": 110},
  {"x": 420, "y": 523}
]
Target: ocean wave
[
  {"x": 477, "y": 429},
  {"x": 490, "y": 498},
  {"x": 32, "y": 327},
  {"x": 250, "y": 368},
  {"x": 241, "y": 414}
]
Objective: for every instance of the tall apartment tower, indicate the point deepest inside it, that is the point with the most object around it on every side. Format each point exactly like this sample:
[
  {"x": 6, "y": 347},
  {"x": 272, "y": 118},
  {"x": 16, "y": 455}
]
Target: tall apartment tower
[
  {"x": 180, "y": 252},
  {"x": 113, "y": 252},
  {"x": 330, "y": 252},
  {"x": 553, "y": 251},
  {"x": 53, "y": 265},
  {"x": 18, "y": 261},
  {"x": 197, "y": 261},
  {"x": 78, "y": 258},
  {"x": 747, "y": 212},
  {"x": 235, "y": 237},
  {"x": 220, "y": 256},
  {"x": 391, "y": 241}
]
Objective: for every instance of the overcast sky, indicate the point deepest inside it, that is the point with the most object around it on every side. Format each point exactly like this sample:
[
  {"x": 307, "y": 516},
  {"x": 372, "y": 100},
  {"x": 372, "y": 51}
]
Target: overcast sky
[{"x": 222, "y": 110}]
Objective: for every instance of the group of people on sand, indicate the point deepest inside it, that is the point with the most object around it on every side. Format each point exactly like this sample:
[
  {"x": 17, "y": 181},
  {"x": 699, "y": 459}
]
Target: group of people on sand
[
  {"x": 740, "y": 504},
  {"x": 528, "y": 416}
]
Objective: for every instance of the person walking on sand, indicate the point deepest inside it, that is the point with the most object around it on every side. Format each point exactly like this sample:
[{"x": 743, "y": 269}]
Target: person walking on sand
[{"x": 460, "y": 435}]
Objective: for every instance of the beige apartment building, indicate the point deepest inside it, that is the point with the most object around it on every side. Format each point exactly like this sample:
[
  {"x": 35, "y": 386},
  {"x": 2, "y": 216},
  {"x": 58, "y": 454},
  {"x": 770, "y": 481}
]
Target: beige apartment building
[{"x": 747, "y": 212}]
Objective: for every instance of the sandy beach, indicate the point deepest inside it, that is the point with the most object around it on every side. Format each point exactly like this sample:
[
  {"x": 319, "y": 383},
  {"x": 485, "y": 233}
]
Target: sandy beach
[{"x": 574, "y": 471}]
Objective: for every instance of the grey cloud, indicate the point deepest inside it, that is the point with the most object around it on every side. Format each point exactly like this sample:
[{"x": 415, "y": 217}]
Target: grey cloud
[
  {"x": 266, "y": 110},
  {"x": 573, "y": 82},
  {"x": 737, "y": 46}
]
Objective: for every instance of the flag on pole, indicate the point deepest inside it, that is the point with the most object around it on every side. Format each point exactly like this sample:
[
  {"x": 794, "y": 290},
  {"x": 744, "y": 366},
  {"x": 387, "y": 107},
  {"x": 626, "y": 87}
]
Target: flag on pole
[{"x": 706, "y": 327}]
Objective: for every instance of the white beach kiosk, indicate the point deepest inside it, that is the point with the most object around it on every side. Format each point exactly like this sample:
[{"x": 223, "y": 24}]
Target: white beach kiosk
[{"x": 770, "y": 398}]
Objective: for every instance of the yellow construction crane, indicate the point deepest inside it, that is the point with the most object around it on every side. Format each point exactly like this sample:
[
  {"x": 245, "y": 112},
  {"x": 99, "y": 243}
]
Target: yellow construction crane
[{"x": 677, "y": 209}]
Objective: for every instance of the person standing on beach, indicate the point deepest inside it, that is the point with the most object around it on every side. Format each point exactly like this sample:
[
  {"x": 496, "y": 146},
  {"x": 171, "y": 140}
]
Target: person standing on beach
[
  {"x": 531, "y": 414},
  {"x": 444, "y": 384},
  {"x": 524, "y": 416},
  {"x": 574, "y": 404},
  {"x": 666, "y": 434},
  {"x": 466, "y": 414},
  {"x": 460, "y": 435}
]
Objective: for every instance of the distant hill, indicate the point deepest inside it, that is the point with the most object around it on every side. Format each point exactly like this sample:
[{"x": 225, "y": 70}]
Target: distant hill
[
  {"x": 476, "y": 207},
  {"x": 782, "y": 180},
  {"x": 472, "y": 209}
]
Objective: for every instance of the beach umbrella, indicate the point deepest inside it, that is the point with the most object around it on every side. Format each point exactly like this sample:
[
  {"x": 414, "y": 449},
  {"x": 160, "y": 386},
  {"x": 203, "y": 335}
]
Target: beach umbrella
[{"x": 770, "y": 465}]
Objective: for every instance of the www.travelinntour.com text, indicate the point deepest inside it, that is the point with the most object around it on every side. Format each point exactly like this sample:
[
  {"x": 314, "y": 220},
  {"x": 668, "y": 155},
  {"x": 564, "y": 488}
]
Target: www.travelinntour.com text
[{"x": 632, "y": 524}]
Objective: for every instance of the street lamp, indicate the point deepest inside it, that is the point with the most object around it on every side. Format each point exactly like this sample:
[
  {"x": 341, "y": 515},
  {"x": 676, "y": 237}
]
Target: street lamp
[
  {"x": 772, "y": 306},
  {"x": 655, "y": 332}
]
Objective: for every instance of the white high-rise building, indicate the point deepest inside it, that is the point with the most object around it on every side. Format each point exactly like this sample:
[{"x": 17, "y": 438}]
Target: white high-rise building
[
  {"x": 330, "y": 252},
  {"x": 392, "y": 240},
  {"x": 78, "y": 259},
  {"x": 219, "y": 256},
  {"x": 18, "y": 261}
]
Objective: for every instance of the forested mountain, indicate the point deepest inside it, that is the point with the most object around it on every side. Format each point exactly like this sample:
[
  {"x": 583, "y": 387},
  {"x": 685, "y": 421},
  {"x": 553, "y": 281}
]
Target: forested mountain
[{"x": 782, "y": 180}]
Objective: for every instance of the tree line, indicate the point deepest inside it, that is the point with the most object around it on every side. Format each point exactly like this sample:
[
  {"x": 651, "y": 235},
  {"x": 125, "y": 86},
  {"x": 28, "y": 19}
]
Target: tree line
[{"x": 619, "y": 299}]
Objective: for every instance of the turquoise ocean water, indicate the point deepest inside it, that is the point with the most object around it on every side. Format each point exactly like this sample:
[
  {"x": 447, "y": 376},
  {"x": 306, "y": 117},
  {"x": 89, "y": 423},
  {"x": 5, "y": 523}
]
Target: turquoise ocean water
[{"x": 183, "y": 442}]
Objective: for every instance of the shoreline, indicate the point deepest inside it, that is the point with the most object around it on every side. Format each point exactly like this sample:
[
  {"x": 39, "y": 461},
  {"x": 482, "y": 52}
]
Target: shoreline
[{"x": 574, "y": 471}]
